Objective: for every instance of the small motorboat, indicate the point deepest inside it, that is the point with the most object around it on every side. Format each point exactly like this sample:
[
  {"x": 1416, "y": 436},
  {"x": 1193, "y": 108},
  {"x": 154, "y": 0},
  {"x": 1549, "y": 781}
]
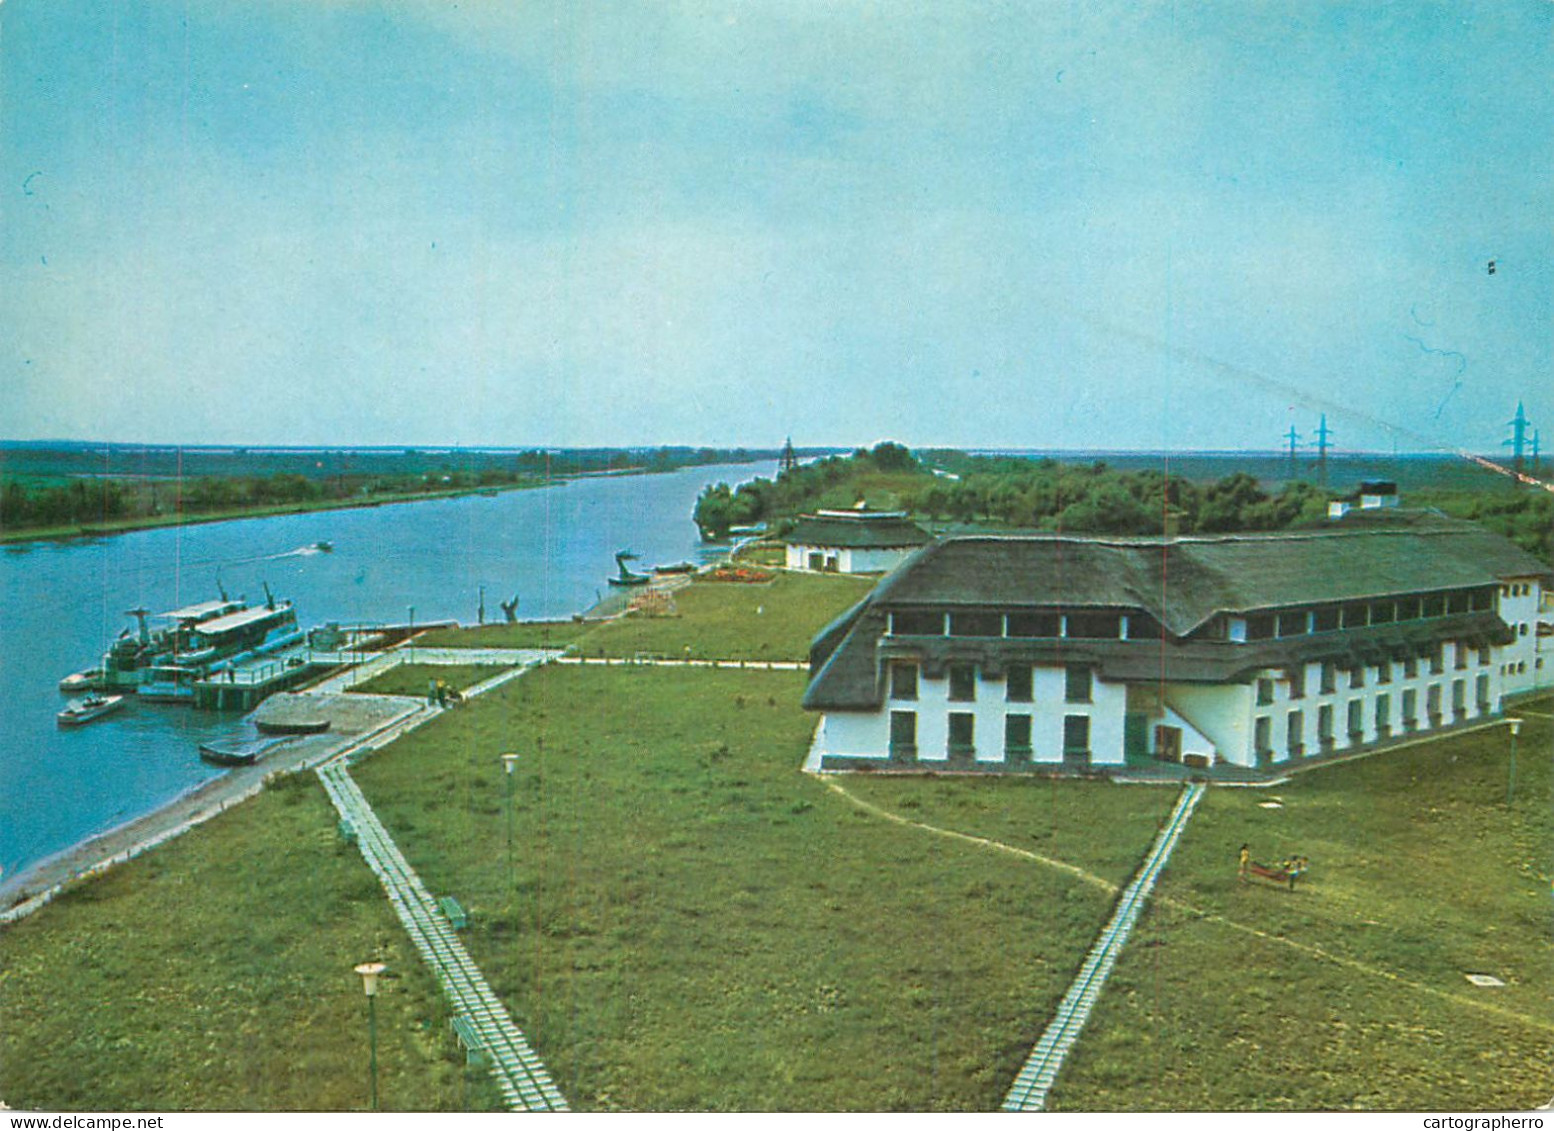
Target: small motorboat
[
  {"x": 87, "y": 708},
  {"x": 77, "y": 682},
  {"x": 677, "y": 567},
  {"x": 626, "y": 576},
  {"x": 324, "y": 547}
]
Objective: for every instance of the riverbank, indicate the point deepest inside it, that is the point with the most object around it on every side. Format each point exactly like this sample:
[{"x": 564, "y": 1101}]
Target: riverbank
[{"x": 69, "y": 531}]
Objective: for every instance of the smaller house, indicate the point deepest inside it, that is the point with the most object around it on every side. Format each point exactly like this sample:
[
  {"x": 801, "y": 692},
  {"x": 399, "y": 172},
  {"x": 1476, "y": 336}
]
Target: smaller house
[{"x": 853, "y": 541}]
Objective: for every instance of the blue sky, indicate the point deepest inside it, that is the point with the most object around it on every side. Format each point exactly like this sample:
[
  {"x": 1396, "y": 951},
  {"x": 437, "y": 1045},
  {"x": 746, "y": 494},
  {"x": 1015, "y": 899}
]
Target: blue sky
[{"x": 1044, "y": 225}]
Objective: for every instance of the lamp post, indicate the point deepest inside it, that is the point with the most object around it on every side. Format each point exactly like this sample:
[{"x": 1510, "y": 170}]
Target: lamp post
[
  {"x": 370, "y": 972},
  {"x": 509, "y": 763},
  {"x": 1510, "y": 786}
]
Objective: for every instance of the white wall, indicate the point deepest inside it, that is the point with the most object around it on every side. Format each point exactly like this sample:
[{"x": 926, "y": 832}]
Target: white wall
[{"x": 1518, "y": 660}]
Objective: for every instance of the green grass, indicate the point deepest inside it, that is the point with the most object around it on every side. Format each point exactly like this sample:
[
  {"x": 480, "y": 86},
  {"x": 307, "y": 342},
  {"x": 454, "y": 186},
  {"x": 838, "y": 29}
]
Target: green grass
[
  {"x": 215, "y": 974},
  {"x": 698, "y": 925},
  {"x": 526, "y": 634},
  {"x": 413, "y": 679},
  {"x": 725, "y": 620},
  {"x": 1419, "y": 875}
]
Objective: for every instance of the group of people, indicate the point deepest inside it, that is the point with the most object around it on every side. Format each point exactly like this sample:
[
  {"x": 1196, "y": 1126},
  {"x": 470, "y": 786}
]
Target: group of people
[
  {"x": 439, "y": 694},
  {"x": 1290, "y": 869}
]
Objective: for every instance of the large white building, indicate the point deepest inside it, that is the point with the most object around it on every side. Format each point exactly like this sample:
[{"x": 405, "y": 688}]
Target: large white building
[{"x": 1009, "y": 653}]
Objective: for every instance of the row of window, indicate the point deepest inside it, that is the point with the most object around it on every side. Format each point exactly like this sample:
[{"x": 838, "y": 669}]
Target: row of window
[
  {"x": 1078, "y": 682},
  {"x": 1383, "y": 673},
  {"x": 1362, "y": 614},
  {"x": 1518, "y": 589},
  {"x": 1053, "y": 625},
  {"x": 962, "y": 739},
  {"x": 1381, "y": 716}
]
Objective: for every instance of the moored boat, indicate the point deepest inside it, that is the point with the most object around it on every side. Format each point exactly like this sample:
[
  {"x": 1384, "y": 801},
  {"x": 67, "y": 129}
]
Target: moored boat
[
  {"x": 87, "y": 708},
  {"x": 626, "y": 576},
  {"x": 237, "y": 752},
  {"x": 77, "y": 682}
]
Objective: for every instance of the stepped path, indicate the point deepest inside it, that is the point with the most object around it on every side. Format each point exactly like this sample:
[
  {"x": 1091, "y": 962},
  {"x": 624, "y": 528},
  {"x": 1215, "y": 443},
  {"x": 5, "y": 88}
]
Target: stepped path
[
  {"x": 524, "y": 1082},
  {"x": 1035, "y": 1079}
]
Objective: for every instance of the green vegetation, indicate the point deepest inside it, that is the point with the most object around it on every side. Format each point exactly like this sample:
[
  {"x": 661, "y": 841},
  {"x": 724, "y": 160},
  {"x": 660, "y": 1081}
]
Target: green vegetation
[
  {"x": 215, "y": 974},
  {"x": 728, "y": 620},
  {"x": 525, "y": 634},
  {"x": 413, "y": 679},
  {"x": 1349, "y": 992},
  {"x": 1093, "y": 498},
  {"x": 693, "y": 924}
]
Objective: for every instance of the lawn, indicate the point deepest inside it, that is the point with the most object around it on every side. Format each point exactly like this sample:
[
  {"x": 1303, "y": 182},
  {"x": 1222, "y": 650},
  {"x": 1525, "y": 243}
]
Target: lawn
[
  {"x": 413, "y": 679},
  {"x": 524, "y": 634},
  {"x": 1351, "y": 992},
  {"x": 693, "y": 924},
  {"x": 215, "y": 974},
  {"x": 730, "y": 620}
]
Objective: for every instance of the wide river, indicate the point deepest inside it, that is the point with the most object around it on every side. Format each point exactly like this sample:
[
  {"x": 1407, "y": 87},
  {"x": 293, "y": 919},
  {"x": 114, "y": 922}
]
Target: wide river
[{"x": 62, "y": 603}]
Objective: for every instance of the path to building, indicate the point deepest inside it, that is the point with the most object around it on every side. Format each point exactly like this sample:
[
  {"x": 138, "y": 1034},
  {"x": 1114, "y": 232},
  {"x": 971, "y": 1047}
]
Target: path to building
[
  {"x": 524, "y": 1082},
  {"x": 1029, "y": 1092}
]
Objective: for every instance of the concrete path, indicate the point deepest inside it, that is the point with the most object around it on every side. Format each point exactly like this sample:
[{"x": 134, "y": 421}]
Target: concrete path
[
  {"x": 1035, "y": 1079},
  {"x": 657, "y": 662},
  {"x": 524, "y": 1082}
]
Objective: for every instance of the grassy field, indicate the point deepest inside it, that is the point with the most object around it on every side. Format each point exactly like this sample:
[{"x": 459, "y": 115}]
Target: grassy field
[
  {"x": 724, "y": 620},
  {"x": 413, "y": 679},
  {"x": 526, "y": 634},
  {"x": 1349, "y": 992},
  {"x": 692, "y": 923},
  {"x": 215, "y": 974}
]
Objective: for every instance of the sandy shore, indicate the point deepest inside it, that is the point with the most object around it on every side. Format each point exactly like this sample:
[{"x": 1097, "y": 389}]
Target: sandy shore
[{"x": 354, "y": 718}]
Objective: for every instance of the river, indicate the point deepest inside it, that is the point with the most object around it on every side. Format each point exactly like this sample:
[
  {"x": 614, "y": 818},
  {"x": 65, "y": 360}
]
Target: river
[{"x": 62, "y": 603}]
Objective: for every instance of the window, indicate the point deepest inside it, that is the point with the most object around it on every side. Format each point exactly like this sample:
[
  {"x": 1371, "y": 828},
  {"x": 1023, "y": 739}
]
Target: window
[
  {"x": 1325, "y": 725},
  {"x": 1325, "y": 619},
  {"x": 1017, "y": 683},
  {"x": 1260, "y": 627},
  {"x": 1142, "y": 626},
  {"x": 1482, "y": 600},
  {"x": 1459, "y": 697},
  {"x": 1433, "y": 704},
  {"x": 1356, "y": 719},
  {"x": 1458, "y": 602},
  {"x": 1383, "y": 612},
  {"x": 1292, "y": 623},
  {"x": 1329, "y": 678},
  {"x": 917, "y": 623},
  {"x": 1017, "y": 734},
  {"x": 1481, "y": 694},
  {"x": 1384, "y": 672},
  {"x": 1264, "y": 692},
  {"x": 1459, "y": 656},
  {"x": 1076, "y": 734},
  {"x": 1262, "y": 741},
  {"x": 976, "y": 624},
  {"x": 903, "y": 732},
  {"x": 1383, "y": 715},
  {"x": 1297, "y": 677},
  {"x": 903, "y": 681},
  {"x": 1433, "y": 606},
  {"x": 1354, "y": 614},
  {"x": 1047, "y": 625},
  {"x": 1437, "y": 661},
  {"x": 1483, "y": 657},
  {"x": 817, "y": 561},
  {"x": 1357, "y": 676},
  {"x": 962, "y": 732},
  {"x": 1410, "y": 709},
  {"x": 1294, "y": 733},
  {"x": 1408, "y": 608},
  {"x": 1410, "y": 666},
  {"x": 963, "y": 683},
  {"x": 1095, "y": 626},
  {"x": 1076, "y": 683}
]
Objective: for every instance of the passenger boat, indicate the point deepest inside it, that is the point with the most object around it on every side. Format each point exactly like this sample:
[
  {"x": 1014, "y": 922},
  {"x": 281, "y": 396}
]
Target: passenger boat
[
  {"x": 80, "y": 711},
  {"x": 77, "y": 682}
]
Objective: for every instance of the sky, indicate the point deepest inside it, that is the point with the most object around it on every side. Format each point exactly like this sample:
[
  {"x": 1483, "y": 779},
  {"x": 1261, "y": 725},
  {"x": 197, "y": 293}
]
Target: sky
[{"x": 1042, "y": 225}]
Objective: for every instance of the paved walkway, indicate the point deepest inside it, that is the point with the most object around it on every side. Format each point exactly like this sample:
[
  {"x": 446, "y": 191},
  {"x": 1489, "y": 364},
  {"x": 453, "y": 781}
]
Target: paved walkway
[
  {"x": 660, "y": 662},
  {"x": 524, "y": 1082},
  {"x": 1035, "y": 1079}
]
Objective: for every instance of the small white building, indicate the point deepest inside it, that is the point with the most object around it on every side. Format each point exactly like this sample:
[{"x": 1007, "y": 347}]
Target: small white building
[
  {"x": 1018, "y": 653},
  {"x": 853, "y": 541}
]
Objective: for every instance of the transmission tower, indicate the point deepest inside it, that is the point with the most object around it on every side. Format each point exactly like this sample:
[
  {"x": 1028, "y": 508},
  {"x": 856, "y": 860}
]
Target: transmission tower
[
  {"x": 788, "y": 461},
  {"x": 1323, "y": 435},
  {"x": 1294, "y": 438},
  {"x": 1518, "y": 440}
]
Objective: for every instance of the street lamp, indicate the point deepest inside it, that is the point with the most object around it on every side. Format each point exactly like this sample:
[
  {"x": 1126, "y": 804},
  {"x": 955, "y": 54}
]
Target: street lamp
[
  {"x": 509, "y": 764},
  {"x": 370, "y": 972},
  {"x": 1510, "y": 786}
]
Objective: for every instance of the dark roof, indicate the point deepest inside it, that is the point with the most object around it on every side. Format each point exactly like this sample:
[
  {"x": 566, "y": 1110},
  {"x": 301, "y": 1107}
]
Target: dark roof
[
  {"x": 1183, "y": 582},
  {"x": 866, "y": 532}
]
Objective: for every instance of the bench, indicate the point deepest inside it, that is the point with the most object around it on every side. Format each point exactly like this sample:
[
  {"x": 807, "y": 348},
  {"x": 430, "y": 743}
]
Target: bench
[
  {"x": 455, "y": 912},
  {"x": 468, "y": 1040}
]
